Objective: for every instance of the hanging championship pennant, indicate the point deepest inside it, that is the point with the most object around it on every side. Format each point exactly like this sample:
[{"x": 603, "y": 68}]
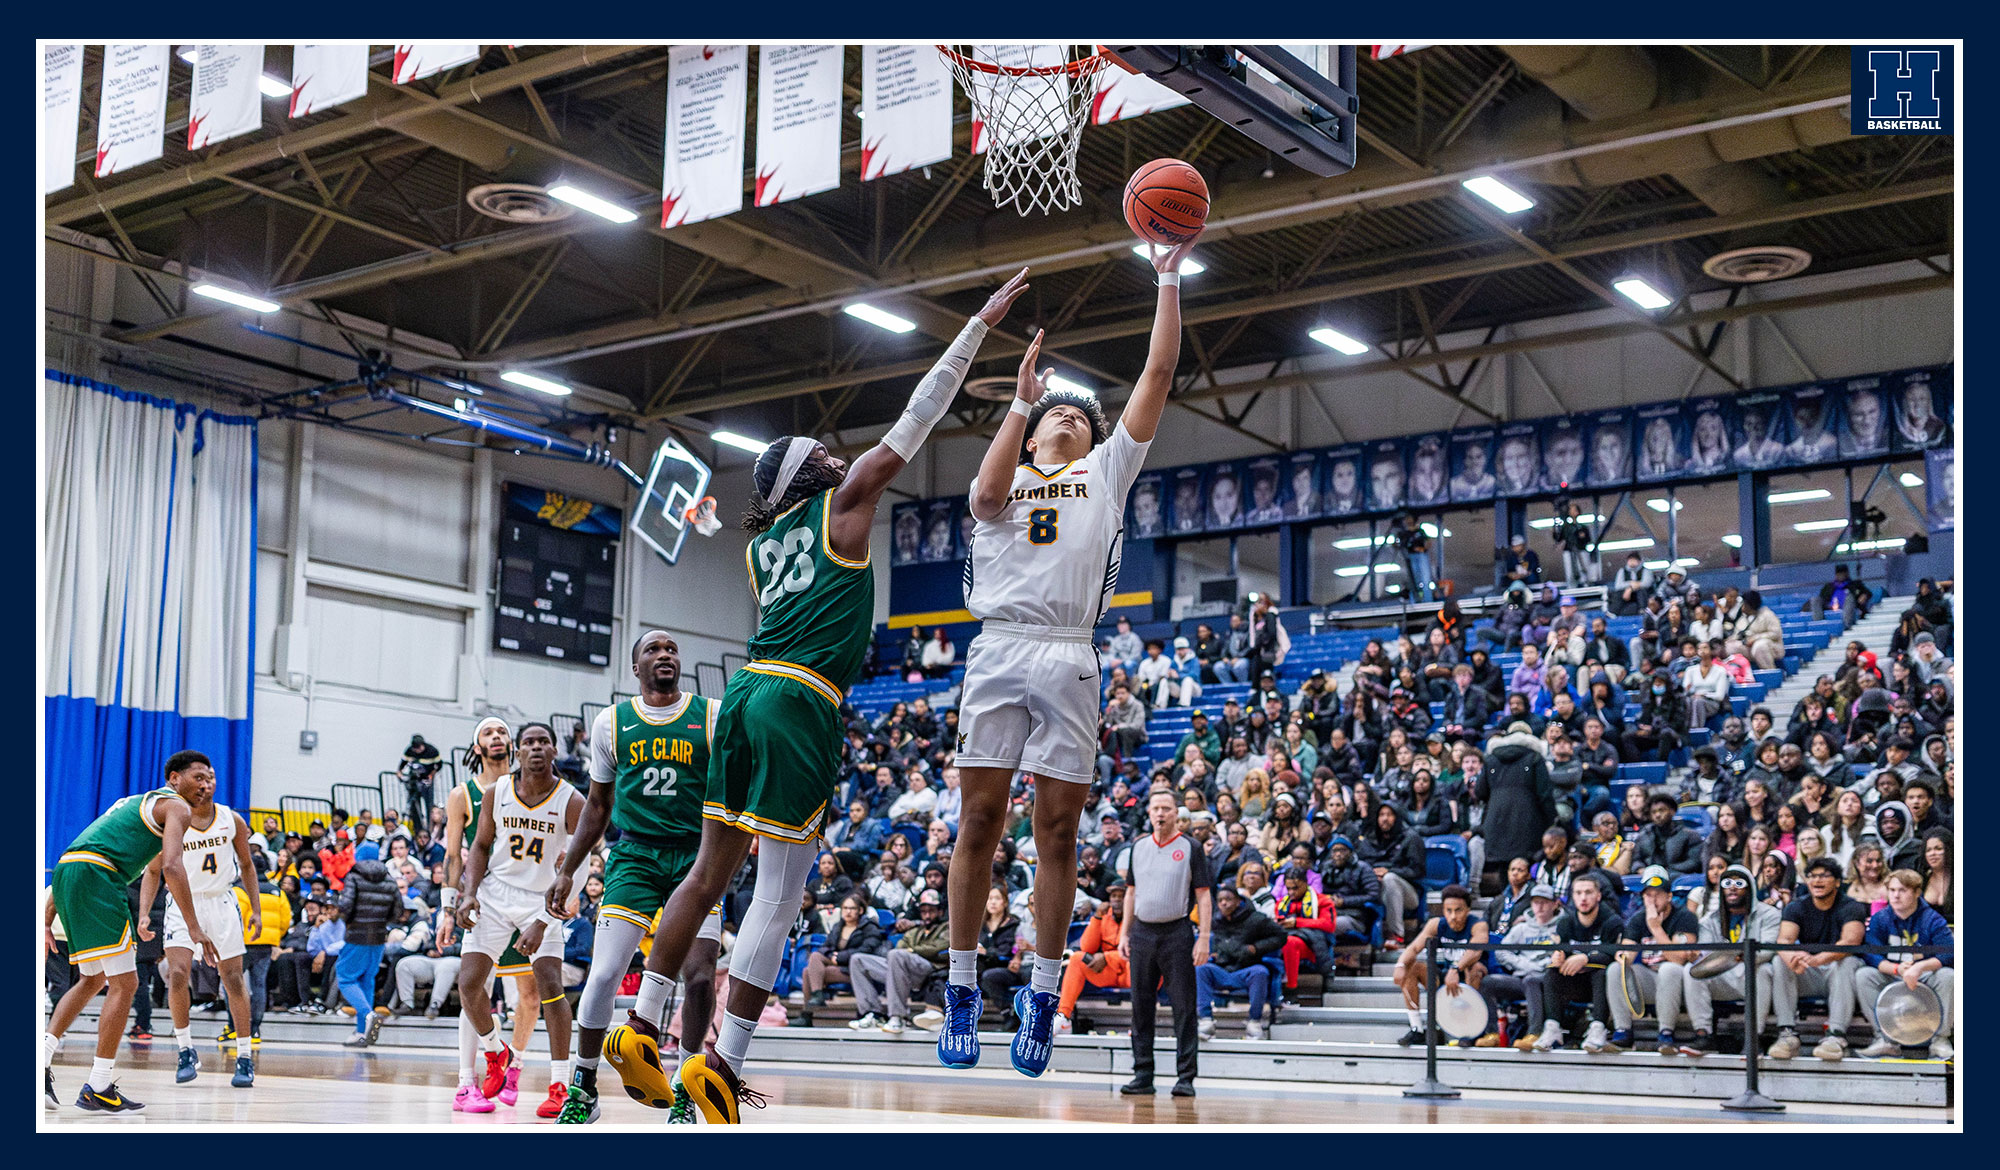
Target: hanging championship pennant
[
  {"x": 707, "y": 87},
  {"x": 417, "y": 61},
  {"x": 905, "y": 107},
  {"x": 323, "y": 76},
  {"x": 225, "y": 100},
  {"x": 1127, "y": 95},
  {"x": 798, "y": 121},
  {"x": 62, "y": 96},
  {"x": 131, "y": 107}
]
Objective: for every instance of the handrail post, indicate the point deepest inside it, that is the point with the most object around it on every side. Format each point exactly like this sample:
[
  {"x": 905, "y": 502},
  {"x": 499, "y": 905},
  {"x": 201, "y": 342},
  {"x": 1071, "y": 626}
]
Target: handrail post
[
  {"x": 1750, "y": 1100},
  {"x": 1430, "y": 1086}
]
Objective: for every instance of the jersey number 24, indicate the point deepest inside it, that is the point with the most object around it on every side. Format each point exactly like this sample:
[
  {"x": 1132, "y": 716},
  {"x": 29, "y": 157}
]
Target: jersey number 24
[
  {"x": 788, "y": 564},
  {"x": 518, "y": 847}
]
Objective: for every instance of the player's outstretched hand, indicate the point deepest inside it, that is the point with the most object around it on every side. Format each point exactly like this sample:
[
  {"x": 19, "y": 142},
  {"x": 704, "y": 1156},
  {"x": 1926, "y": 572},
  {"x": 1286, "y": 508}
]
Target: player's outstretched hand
[
  {"x": 1169, "y": 259},
  {"x": 1030, "y": 384},
  {"x": 1003, "y": 298},
  {"x": 558, "y": 895}
]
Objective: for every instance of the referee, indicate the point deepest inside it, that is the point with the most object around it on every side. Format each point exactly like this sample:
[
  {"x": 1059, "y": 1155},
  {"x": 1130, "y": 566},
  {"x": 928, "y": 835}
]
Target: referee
[{"x": 1169, "y": 875}]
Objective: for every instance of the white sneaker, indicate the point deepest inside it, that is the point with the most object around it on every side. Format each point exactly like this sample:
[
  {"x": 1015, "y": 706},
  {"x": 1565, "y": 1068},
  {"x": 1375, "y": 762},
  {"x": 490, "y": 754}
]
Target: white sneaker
[
  {"x": 1786, "y": 1046},
  {"x": 866, "y": 1023},
  {"x": 1594, "y": 1037},
  {"x": 1253, "y": 1030},
  {"x": 929, "y": 1019},
  {"x": 1062, "y": 1025},
  {"x": 893, "y": 1025},
  {"x": 1941, "y": 1049},
  {"x": 1206, "y": 1028},
  {"x": 1882, "y": 1046},
  {"x": 1551, "y": 1037}
]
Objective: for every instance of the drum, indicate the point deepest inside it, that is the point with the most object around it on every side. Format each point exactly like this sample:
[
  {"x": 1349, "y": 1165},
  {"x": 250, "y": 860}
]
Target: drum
[
  {"x": 1910, "y": 1016},
  {"x": 1715, "y": 963},
  {"x": 1624, "y": 980},
  {"x": 1463, "y": 1016}
]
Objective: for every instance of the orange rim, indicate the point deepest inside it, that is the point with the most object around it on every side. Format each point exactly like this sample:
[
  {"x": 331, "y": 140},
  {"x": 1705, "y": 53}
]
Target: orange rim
[
  {"x": 1071, "y": 68},
  {"x": 694, "y": 513}
]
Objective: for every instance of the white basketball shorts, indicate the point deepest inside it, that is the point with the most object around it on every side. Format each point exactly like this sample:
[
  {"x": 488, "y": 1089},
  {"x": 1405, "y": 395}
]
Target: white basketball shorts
[
  {"x": 220, "y": 919},
  {"x": 1029, "y": 702},
  {"x": 504, "y": 909}
]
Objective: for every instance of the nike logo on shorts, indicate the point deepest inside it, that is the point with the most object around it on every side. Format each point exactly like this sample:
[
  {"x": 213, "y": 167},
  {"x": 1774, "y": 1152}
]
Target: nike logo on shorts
[{"x": 1085, "y": 677}]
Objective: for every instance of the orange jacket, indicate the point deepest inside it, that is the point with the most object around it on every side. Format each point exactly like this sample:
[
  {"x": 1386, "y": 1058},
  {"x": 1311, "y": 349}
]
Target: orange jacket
[{"x": 1101, "y": 935}]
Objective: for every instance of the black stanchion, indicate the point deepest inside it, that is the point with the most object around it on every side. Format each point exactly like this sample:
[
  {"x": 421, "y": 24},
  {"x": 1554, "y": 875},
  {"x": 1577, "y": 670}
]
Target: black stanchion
[
  {"x": 1430, "y": 1087},
  {"x": 1750, "y": 1100}
]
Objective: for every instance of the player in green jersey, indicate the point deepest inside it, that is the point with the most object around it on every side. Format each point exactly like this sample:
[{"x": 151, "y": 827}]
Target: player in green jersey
[
  {"x": 648, "y": 770},
  {"x": 90, "y": 882},
  {"x": 775, "y": 761}
]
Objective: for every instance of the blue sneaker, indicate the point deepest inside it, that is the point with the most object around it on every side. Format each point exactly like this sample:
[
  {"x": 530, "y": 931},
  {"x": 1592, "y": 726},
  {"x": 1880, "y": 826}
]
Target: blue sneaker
[
  {"x": 958, "y": 1039},
  {"x": 190, "y": 1066},
  {"x": 1036, "y": 1038},
  {"x": 246, "y": 1073}
]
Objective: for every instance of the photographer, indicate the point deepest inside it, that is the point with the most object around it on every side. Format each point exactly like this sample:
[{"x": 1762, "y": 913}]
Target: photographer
[
  {"x": 1577, "y": 543},
  {"x": 420, "y": 762},
  {"x": 1416, "y": 547}
]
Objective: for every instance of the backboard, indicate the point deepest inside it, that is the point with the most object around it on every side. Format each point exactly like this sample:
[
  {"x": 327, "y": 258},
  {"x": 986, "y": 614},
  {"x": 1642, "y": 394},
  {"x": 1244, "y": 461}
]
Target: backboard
[
  {"x": 1299, "y": 101},
  {"x": 676, "y": 481}
]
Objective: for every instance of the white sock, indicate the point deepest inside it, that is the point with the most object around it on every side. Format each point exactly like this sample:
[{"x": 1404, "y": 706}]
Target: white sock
[
  {"x": 491, "y": 1041},
  {"x": 1048, "y": 975},
  {"x": 964, "y": 967},
  {"x": 1416, "y": 1019},
  {"x": 242, "y": 1046},
  {"x": 100, "y": 1073},
  {"x": 653, "y": 991},
  {"x": 184, "y": 1037},
  {"x": 468, "y": 1048},
  {"x": 51, "y": 1044},
  {"x": 734, "y": 1043},
  {"x": 559, "y": 1072},
  {"x": 589, "y": 1062}
]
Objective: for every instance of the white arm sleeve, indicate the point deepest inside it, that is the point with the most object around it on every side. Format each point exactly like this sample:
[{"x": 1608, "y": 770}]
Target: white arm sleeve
[
  {"x": 934, "y": 394},
  {"x": 604, "y": 746}
]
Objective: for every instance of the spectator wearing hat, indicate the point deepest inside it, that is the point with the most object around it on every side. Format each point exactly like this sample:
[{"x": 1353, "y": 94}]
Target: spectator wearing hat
[
  {"x": 1349, "y": 886},
  {"x": 1096, "y": 960},
  {"x": 1564, "y": 641},
  {"x": 1243, "y": 937},
  {"x": 1826, "y": 917},
  {"x": 336, "y": 858},
  {"x": 1848, "y": 598},
  {"x": 1577, "y": 971},
  {"x": 1737, "y": 911},
  {"x": 1519, "y": 974},
  {"x": 1125, "y": 645},
  {"x": 1156, "y": 674},
  {"x": 1655, "y": 976},
  {"x": 1284, "y": 828},
  {"x": 883, "y": 983},
  {"x": 1458, "y": 971},
  {"x": 1201, "y": 735},
  {"x": 1666, "y": 842},
  {"x": 1516, "y": 563},
  {"x": 1676, "y": 585}
]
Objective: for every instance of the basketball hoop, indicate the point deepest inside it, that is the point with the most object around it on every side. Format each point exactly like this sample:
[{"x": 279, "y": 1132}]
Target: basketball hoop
[
  {"x": 1029, "y": 105},
  {"x": 702, "y": 516}
]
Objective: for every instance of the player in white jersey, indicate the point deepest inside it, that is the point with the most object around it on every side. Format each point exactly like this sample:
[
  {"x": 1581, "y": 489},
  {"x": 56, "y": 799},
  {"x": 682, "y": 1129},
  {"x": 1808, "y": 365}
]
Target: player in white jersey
[
  {"x": 525, "y": 824},
  {"x": 1050, "y": 506},
  {"x": 215, "y": 851}
]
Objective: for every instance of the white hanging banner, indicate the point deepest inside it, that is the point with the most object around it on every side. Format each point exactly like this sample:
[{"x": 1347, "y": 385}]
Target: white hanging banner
[
  {"x": 323, "y": 76},
  {"x": 798, "y": 121},
  {"x": 62, "y": 97},
  {"x": 906, "y": 108},
  {"x": 417, "y": 61},
  {"x": 225, "y": 100},
  {"x": 131, "y": 107},
  {"x": 1127, "y": 95},
  {"x": 1033, "y": 103},
  {"x": 707, "y": 95}
]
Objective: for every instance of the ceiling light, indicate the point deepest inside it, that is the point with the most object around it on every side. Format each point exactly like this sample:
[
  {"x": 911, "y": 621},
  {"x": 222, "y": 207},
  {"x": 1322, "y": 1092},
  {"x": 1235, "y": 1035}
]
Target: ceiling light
[
  {"x": 1189, "y": 265},
  {"x": 732, "y": 439},
  {"x": 1358, "y": 570},
  {"x": 880, "y": 319},
  {"x": 1819, "y": 526},
  {"x": 532, "y": 382},
  {"x": 1622, "y": 545},
  {"x": 1498, "y": 194},
  {"x": 1550, "y": 521},
  {"x": 1659, "y": 504},
  {"x": 1911, "y": 479},
  {"x": 1684, "y": 562},
  {"x": 577, "y": 197},
  {"x": 1070, "y": 386},
  {"x": 1732, "y": 540},
  {"x": 230, "y": 296},
  {"x": 1334, "y": 339},
  {"x": 1799, "y": 497},
  {"x": 272, "y": 87},
  {"x": 1869, "y": 545},
  {"x": 1431, "y": 530},
  {"x": 1640, "y": 293},
  {"x": 1351, "y": 543},
  {"x": 460, "y": 405}
]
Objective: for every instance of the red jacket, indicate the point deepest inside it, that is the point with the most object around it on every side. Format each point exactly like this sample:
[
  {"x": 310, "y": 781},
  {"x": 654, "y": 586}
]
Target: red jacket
[
  {"x": 334, "y": 864},
  {"x": 1312, "y": 911}
]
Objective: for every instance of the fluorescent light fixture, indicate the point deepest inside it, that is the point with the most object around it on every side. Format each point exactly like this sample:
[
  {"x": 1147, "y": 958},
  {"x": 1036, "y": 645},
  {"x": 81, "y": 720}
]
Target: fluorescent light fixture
[
  {"x": 1640, "y": 293},
  {"x": 188, "y": 54},
  {"x": 1070, "y": 386},
  {"x": 1800, "y": 496},
  {"x": 1684, "y": 562},
  {"x": 1358, "y": 570},
  {"x": 1911, "y": 479},
  {"x": 741, "y": 443},
  {"x": 1392, "y": 589},
  {"x": 1498, "y": 194},
  {"x": 1869, "y": 545},
  {"x": 1659, "y": 504},
  {"x": 230, "y": 296},
  {"x": 1732, "y": 540},
  {"x": 533, "y": 382},
  {"x": 1622, "y": 545},
  {"x": 273, "y": 87},
  {"x": 604, "y": 208},
  {"x": 1348, "y": 544},
  {"x": 1334, "y": 339},
  {"x": 880, "y": 319},
  {"x": 1550, "y": 521},
  {"x": 460, "y": 405},
  {"x": 1431, "y": 530},
  {"x": 1819, "y": 526},
  {"x": 1189, "y": 265}
]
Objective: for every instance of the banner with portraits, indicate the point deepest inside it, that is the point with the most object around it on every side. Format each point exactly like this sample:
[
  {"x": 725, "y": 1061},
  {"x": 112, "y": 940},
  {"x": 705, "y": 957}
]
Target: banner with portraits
[
  {"x": 1430, "y": 471},
  {"x": 1517, "y": 459},
  {"x": 1226, "y": 495},
  {"x": 1662, "y": 432},
  {"x": 1340, "y": 482},
  {"x": 1387, "y": 474},
  {"x": 1264, "y": 481},
  {"x": 1864, "y": 424},
  {"x": 1922, "y": 399},
  {"x": 1472, "y": 465},
  {"x": 1761, "y": 430},
  {"x": 940, "y": 532},
  {"x": 1146, "y": 507},
  {"x": 1608, "y": 438},
  {"x": 1811, "y": 409},
  {"x": 1710, "y": 423},
  {"x": 1300, "y": 497},
  {"x": 1186, "y": 508},
  {"x": 906, "y": 534},
  {"x": 1941, "y": 488},
  {"x": 1562, "y": 454}
]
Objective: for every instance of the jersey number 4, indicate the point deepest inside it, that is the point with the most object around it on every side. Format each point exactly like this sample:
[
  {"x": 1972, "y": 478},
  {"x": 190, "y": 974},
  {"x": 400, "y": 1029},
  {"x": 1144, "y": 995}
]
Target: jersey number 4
[
  {"x": 1042, "y": 526},
  {"x": 519, "y": 847},
  {"x": 787, "y": 563},
  {"x": 659, "y": 782},
  {"x": 208, "y": 864}
]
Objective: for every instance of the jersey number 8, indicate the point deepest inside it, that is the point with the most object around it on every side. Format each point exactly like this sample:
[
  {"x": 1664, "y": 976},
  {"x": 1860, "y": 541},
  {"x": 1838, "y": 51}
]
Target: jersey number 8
[
  {"x": 795, "y": 552},
  {"x": 1042, "y": 526},
  {"x": 519, "y": 847}
]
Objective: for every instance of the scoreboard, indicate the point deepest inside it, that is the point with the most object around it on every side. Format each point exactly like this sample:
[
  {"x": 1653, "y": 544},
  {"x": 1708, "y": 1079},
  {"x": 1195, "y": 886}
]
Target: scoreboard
[{"x": 558, "y": 574}]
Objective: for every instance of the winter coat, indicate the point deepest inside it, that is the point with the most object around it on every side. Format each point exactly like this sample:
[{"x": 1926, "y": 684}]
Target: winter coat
[
  {"x": 1399, "y": 851},
  {"x": 1676, "y": 847},
  {"x": 1243, "y": 941},
  {"x": 1518, "y": 795},
  {"x": 367, "y": 902}
]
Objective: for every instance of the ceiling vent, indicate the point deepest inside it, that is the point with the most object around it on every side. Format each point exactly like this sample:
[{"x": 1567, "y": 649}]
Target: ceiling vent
[
  {"x": 992, "y": 389},
  {"x": 1756, "y": 264},
  {"x": 517, "y": 203}
]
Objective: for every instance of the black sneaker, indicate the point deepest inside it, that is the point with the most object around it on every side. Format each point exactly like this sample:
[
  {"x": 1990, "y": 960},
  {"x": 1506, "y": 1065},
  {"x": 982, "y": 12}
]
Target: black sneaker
[
  {"x": 109, "y": 1101},
  {"x": 190, "y": 1066},
  {"x": 1698, "y": 1044},
  {"x": 49, "y": 1098},
  {"x": 1137, "y": 1087},
  {"x": 1183, "y": 1089},
  {"x": 1413, "y": 1036},
  {"x": 246, "y": 1073}
]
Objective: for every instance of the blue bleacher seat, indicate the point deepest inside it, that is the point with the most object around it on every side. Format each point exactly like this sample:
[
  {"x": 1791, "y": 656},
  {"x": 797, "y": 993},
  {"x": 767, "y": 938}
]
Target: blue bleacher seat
[
  {"x": 1698, "y": 817},
  {"x": 1446, "y": 861}
]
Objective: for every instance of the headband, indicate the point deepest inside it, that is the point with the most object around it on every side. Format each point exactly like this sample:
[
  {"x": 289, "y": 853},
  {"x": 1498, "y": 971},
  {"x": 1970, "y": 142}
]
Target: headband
[
  {"x": 496, "y": 721},
  {"x": 795, "y": 454}
]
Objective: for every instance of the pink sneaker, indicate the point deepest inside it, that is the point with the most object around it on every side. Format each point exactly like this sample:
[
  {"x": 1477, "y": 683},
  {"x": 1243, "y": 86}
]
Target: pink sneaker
[
  {"x": 470, "y": 1100},
  {"x": 510, "y": 1092}
]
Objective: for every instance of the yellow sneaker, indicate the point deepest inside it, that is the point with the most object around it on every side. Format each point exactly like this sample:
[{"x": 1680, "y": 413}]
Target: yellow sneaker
[
  {"x": 715, "y": 1089},
  {"x": 635, "y": 1053}
]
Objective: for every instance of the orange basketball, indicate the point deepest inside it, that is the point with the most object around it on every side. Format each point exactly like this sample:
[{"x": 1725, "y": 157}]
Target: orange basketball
[{"x": 1166, "y": 202}]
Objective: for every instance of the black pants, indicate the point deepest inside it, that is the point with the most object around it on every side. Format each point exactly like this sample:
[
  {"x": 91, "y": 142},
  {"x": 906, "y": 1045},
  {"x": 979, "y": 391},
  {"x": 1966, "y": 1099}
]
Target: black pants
[
  {"x": 291, "y": 979},
  {"x": 256, "y": 977},
  {"x": 1658, "y": 746},
  {"x": 1163, "y": 951},
  {"x": 997, "y": 984},
  {"x": 58, "y": 973},
  {"x": 142, "y": 1000},
  {"x": 1558, "y": 989}
]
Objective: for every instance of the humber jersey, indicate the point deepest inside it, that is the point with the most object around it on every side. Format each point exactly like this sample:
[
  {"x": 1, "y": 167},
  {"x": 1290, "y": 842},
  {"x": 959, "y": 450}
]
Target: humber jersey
[
  {"x": 1051, "y": 556},
  {"x": 209, "y": 855},
  {"x": 658, "y": 758},
  {"x": 528, "y": 837}
]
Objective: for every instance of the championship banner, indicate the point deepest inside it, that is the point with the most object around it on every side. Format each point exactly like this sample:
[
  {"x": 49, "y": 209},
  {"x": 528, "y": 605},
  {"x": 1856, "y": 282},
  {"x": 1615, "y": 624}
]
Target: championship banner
[
  {"x": 324, "y": 76},
  {"x": 939, "y": 524},
  {"x": 1264, "y": 476},
  {"x": 906, "y": 534},
  {"x": 1386, "y": 474},
  {"x": 1301, "y": 498},
  {"x": 1381, "y": 52},
  {"x": 1610, "y": 443},
  {"x": 1430, "y": 470},
  {"x": 964, "y": 524},
  {"x": 1663, "y": 441},
  {"x": 1472, "y": 465},
  {"x": 1562, "y": 454},
  {"x": 1187, "y": 514},
  {"x": 1864, "y": 425},
  {"x": 131, "y": 107},
  {"x": 1760, "y": 431},
  {"x": 418, "y": 61},
  {"x": 1342, "y": 475},
  {"x": 1225, "y": 496},
  {"x": 1517, "y": 459},
  {"x": 225, "y": 101},
  {"x": 1923, "y": 408},
  {"x": 798, "y": 121},
  {"x": 905, "y": 107},
  {"x": 1122, "y": 95},
  {"x": 1051, "y": 94},
  {"x": 62, "y": 97},
  {"x": 1147, "y": 512},
  {"x": 1941, "y": 488},
  {"x": 707, "y": 88},
  {"x": 1812, "y": 410},
  {"x": 1709, "y": 430}
]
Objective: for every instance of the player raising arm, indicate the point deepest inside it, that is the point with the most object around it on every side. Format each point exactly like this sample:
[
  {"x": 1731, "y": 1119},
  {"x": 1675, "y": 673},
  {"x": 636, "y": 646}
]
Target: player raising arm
[{"x": 1050, "y": 506}]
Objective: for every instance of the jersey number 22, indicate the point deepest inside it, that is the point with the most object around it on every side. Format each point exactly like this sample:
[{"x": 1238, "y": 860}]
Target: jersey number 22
[{"x": 787, "y": 563}]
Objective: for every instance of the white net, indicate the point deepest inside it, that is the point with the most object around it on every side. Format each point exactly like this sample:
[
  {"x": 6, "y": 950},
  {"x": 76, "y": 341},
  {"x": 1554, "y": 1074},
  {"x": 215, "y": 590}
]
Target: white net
[{"x": 1029, "y": 106}]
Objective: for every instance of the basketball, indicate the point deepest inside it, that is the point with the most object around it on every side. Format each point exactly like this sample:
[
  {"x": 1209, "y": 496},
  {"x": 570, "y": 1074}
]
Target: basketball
[{"x": 1166, "y": 202}]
